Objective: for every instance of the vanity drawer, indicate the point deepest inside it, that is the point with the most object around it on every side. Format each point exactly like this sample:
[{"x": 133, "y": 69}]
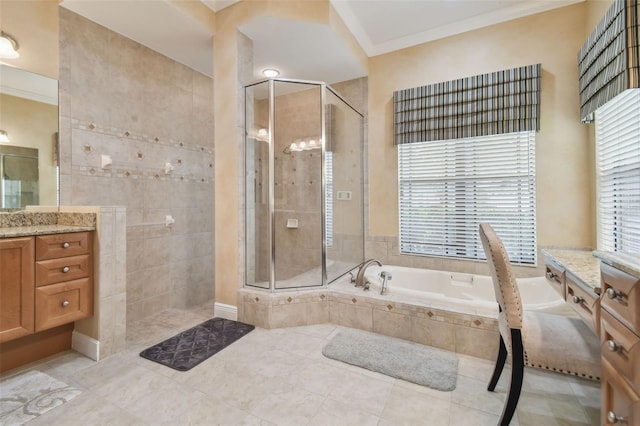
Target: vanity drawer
[
  {"x": 584, "y": 302},
  {"x": 62, "y": 303},
  {"x": 555, "y": 277},
  {"x": 620, "y": 404},
  {"x": 62, "y": 245},
  {"x": 621, "y": 347},
  {"x": 63, "y": 269},
  {"x": 621, "y": 296}
]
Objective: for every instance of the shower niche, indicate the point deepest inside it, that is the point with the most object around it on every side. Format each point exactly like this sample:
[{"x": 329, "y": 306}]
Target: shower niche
[{"x": 304, "y": 191}]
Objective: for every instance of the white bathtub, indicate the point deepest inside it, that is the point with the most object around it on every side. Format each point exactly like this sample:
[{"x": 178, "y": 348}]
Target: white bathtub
[{"x": 458, "y": 292}]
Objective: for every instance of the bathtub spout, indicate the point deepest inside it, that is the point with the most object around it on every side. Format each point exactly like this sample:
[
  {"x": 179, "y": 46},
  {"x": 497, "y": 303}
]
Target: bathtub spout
[
  {"x": 386, "y": 277},
  {"x": 363, "y": 267}
]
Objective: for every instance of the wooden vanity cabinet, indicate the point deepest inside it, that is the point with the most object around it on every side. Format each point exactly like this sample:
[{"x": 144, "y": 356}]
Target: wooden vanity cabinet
[
  {"x": 620, "y": 338},
  {"x": 620, "y": 403},
  {"x": 64, "y": 270},
  {"x": 46, "y": 281},
  {"x": 16, "y": 288},
  {"x": 584, "y": 300}
]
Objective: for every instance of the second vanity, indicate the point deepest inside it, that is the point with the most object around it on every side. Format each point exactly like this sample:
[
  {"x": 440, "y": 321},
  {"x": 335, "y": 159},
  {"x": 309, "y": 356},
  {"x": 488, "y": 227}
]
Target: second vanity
[
  {"x": 604, "y": 290},
  {"x": 46, "y": 263}
]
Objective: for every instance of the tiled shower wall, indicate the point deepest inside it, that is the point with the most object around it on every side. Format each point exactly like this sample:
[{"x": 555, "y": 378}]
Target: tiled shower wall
[{"x": 143, "y": 110}]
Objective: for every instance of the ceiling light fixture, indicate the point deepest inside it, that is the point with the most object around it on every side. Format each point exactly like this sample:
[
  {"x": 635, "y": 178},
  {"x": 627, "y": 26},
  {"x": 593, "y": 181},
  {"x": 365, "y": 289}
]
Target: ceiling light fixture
[
  {"x": 270, "y": 73},
  {"x": 4, "y": 137},
  {"x": 8, "y": 46}
]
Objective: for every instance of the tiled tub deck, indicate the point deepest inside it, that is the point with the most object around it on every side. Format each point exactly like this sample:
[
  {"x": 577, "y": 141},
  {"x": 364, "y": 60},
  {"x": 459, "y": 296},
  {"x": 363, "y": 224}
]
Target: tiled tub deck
[{"x": 342, "y": 304}]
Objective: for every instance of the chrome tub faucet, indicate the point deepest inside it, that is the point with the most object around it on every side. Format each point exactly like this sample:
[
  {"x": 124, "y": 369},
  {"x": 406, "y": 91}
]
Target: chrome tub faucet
[{"x": 360, "y": 278}]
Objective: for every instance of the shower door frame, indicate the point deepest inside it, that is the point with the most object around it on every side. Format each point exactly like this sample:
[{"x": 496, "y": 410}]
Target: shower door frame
[{"x": 271, "y": 177}]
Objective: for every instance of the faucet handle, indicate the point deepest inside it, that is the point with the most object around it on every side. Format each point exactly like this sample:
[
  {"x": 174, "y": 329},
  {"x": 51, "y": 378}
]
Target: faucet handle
[{"x": 353, "y": 277}]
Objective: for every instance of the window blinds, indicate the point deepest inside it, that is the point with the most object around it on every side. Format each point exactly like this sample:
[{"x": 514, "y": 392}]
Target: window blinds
[
  {"x": 618, "y": 167},
  {"x": 448, "y": 187}
]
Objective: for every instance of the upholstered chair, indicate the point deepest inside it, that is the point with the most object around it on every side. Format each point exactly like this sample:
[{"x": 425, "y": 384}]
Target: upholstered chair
[{"x": 553, "y": 342}]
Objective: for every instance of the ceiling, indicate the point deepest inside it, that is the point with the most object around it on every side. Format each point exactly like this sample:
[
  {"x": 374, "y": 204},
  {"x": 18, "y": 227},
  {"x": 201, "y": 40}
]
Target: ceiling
[{"x": 306, "y": 50}]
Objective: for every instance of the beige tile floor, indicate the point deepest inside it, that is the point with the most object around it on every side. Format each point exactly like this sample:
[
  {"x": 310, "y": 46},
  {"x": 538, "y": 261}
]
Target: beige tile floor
[{"x": 280, "y": 377}]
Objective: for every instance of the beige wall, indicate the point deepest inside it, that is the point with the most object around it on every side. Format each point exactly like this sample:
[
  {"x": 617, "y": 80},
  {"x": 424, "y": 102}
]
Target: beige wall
[
  {"x": 121, "y": 99},
  {"x": 33, "y": 124},
  {"x": 563, "y": 151},
  {"x": 34, "y": 24},
  {"x": 595, "y": 11}
]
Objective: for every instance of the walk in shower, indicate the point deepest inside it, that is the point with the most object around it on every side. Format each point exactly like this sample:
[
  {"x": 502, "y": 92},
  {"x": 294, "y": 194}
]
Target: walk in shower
[{"x": 304, "y": 185}]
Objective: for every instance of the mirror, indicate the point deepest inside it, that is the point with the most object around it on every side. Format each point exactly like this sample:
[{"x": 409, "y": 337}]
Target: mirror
[{"x": 29, "y": 159}]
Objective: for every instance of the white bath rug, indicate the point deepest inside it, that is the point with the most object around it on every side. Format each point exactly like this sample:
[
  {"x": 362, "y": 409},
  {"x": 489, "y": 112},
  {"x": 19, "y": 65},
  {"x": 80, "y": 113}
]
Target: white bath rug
[
  {"x": 413, "y": 362},
  {"x": 28, "y": 395}
]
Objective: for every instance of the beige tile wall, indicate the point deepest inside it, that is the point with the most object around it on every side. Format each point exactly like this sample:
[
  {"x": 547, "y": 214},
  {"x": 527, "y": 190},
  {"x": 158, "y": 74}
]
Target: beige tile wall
[{"x": 121, "y": 99}]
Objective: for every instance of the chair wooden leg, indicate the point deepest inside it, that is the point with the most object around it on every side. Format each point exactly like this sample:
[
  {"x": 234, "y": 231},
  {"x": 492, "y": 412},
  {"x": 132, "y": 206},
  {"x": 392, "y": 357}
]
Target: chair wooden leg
[
  {"x": 517, "y": 373},
  {"x": 502, "y": 357}
]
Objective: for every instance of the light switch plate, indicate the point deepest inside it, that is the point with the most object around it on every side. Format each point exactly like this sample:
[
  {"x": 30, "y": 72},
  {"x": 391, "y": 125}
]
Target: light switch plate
[{"x": 343, "y": 195}]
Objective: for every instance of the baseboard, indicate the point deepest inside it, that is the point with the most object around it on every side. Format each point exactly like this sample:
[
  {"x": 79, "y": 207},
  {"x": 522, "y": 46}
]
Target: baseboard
[
  {"x": 225, "y": 311},
  {"x": 86, "y": 345}
]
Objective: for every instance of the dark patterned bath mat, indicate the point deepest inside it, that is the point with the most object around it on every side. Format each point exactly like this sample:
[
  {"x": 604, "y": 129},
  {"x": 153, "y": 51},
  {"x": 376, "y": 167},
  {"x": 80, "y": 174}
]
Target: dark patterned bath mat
[{"x": 189, "y": 348}]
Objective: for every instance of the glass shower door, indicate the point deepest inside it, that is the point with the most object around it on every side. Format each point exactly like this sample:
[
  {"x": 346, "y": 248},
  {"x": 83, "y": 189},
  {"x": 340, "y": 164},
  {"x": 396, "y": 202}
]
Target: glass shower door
[
  {"x": 257, "y": 191},
  {"x": 345, "y": 192},
  {"x": 298, "y": 184}
]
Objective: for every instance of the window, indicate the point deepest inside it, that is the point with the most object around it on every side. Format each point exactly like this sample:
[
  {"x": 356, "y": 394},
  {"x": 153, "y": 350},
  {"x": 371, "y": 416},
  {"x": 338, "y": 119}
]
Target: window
[
  {"x": 618, "y": 173},
  {"x": 328, "y": 196},
  {"x": 448, "y": 187}
]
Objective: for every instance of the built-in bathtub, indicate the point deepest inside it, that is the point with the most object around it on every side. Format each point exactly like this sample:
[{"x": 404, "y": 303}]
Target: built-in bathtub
[
  {"x": 458, "y": 292},
  {"x": 452, "y": 311}
]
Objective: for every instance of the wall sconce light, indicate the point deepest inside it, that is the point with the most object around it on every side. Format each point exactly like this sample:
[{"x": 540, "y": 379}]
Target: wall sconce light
[
  {"x": 303, "y": 145},
  {"x": 4, "y": 137},
  {"x": 262, "y": 135},
  {"x": 8, "y": 46}
]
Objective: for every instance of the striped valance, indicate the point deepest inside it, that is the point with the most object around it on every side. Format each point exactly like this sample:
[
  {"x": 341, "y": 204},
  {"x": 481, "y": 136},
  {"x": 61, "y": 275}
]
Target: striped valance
[
  {"x": 608, "y": 63},
  {"x": 488, "y": 104}
]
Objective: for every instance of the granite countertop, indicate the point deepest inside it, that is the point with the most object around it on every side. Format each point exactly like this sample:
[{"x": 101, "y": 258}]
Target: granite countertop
[
  {"x": 624, "y": 262},
  {"x": 23, "y": 231},
  {"x": 25, "y": 223},
  {"x": 580, "y": 262}
]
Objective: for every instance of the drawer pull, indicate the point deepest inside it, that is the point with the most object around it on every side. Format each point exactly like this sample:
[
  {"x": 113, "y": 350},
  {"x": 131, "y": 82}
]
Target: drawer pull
[
  {"x": 614, "y": 346},
  {"x": 65, "y": 269},
  {"x": 65, "y": 245},
  {"x": 577, "y": 299},
  {"x": 614, "y": 294},
  {"x": 65, "y": 304},
  {"x": 552, "y": 276},
  {"x": 614, "y": 418}
]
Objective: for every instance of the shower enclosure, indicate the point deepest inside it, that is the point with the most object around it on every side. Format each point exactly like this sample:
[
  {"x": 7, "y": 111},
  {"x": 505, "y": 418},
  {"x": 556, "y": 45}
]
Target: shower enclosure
[
  {"x": 304, "y": 191},
  {"x": 19, "y": 176}
]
